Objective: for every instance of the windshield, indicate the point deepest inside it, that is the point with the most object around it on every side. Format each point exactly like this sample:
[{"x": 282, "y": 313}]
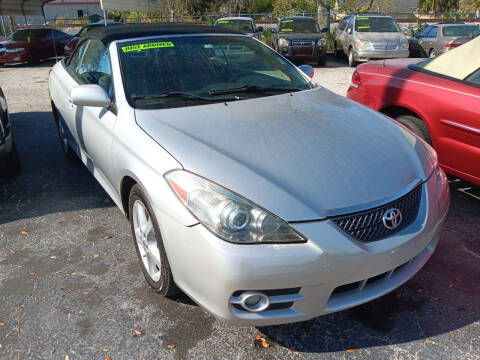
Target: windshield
[
  {"x": 299, "y": 26},
  {"x": 195, "y": 70},
  {"x": 238, "y": 25},
  {"x": 376, "y": 24},
  {"x": 459, "y": 30}
]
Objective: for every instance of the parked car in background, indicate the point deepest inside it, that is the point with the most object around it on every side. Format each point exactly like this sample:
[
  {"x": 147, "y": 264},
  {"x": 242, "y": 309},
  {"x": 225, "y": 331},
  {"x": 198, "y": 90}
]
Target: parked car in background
[
  {"x": 68, "y": 49},
  {"x": 303, "y": 205},
  {"x": 365, "y": 37},
  {"x": 243, "y": 24},
  {"x": 9, "y": 160},
  {"x": 299, "y": 38},
  {"x": 33, "y": 45},
  {"x": 438, "y": 99},
  {"x": 435, "y": 40}
]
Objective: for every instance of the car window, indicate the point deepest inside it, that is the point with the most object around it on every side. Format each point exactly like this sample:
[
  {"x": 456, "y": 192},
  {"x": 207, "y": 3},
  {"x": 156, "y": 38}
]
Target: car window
[
  {"x": 342, "y": 24},
  {"x": 433, "y": 32},
  {"x": 307, "y": 25},
  {"x": 425, "y": 31},
  {"x": 349, "y": 24},
  {"x": 238, "y": 25},
  {"x": 91, "y": 64},
  {"x": 474, "y": 78},
  {"x": 459, "y": 30},
  {"x": 375, "y": 24},
  {"x": 152, "y": 67}
]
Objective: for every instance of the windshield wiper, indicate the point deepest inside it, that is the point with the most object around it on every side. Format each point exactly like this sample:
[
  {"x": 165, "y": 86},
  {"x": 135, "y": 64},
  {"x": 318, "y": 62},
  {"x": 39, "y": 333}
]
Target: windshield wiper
[
  {"x": 176, "y": 94},
  {"x": 254, "y": 89}
]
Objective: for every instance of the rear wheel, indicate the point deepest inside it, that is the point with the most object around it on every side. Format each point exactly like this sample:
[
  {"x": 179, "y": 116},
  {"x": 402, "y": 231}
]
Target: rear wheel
[
  {"x": 149, "y": 244},
  {"x": 11, "y": 166},
  {"x": 351, "y": 59},
  {"x": 432, "y": 53},
  {"x": 416, "y": 125},
  {"x": 322, "y": 60}
]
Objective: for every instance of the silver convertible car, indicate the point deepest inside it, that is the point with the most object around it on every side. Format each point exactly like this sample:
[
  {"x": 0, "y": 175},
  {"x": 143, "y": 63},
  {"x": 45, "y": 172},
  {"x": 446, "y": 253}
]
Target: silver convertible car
[{"x": 265, "y": 198}]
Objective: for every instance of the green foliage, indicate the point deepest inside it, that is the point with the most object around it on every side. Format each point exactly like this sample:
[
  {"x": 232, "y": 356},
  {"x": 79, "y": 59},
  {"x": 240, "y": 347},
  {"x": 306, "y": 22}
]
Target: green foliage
[
  {"x": 442, "y": 6},
  {"x": 309, "y": 6},
  {"x": 260, "y": 6},
  {"x": 267, "y": 36}
]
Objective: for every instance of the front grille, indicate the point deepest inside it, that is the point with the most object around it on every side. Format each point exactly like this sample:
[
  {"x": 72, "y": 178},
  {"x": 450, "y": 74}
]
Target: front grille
[
  {"x": 303, "y": 42},
  {"x": 367, "y": 226},
  {"x": 385, "y": 47}
]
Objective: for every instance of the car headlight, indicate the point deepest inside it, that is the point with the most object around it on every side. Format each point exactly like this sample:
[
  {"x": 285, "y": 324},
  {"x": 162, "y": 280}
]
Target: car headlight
[
  {"x": 282, "y": 42},
  {"x": 404, "y": 46},
  {"x": 228, "y": 215},
  {"x": 16, "y": 50},
  {"x": 363, "y": 45}
]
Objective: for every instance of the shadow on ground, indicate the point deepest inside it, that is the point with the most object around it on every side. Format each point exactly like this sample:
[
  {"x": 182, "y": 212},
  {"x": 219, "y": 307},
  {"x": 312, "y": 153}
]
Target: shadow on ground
[{"x": 48, "y": 182}]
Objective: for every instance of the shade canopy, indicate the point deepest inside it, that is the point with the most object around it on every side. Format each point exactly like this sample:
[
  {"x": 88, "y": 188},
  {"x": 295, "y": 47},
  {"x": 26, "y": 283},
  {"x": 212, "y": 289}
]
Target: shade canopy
[
  {"x": 22, "y": 7},
  {"x": 132, "y": 5}
]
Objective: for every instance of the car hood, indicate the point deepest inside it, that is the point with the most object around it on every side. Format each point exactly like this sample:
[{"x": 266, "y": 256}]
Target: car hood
[
  {"x": 382, "y": 38},
  {"x": 301, "y": 36},
  {"x": 303, "y": 156}
]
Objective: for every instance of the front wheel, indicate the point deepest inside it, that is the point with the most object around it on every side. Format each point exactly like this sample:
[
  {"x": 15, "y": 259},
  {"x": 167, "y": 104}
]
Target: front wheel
[
  {"x": 149, "y": 244},
  {"x": 322, "y": 60},
  {"x": 432, "y": 53},
  {"x": 351, "y": 59}
]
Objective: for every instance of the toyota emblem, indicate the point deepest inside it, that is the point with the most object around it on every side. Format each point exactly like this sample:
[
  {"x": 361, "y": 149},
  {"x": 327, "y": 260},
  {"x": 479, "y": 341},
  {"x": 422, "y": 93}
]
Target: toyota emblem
[{"x": 392, "y": 218}]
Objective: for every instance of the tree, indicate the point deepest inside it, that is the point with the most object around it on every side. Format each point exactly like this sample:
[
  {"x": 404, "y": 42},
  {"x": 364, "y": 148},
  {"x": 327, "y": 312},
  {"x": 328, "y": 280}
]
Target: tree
[
  {"x": 442, "y": 6},
  {"x": 261, "y": 6}
]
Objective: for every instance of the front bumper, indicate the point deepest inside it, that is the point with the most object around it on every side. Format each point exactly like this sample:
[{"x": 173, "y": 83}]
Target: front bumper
[
  {"x": 14, "y": 58},
  {"x": 306, "y": 277},
  {"x": 366, "y": 55},
  {"x": 302, "y": 52}
]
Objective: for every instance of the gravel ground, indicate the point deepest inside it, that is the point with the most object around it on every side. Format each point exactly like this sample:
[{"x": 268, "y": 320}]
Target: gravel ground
[{"x": 70, "y": 283}]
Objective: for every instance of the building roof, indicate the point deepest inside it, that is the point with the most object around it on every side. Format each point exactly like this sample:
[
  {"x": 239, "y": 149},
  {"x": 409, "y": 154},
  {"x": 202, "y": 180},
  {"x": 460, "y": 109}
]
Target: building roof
[{"x": 107, "y": 34}]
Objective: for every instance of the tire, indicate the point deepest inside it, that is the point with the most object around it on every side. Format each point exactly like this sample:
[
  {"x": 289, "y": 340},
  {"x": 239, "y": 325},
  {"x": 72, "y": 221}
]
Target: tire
[
  {"x": 149, "y": 244},
  {"x": 416, "y": 125},
  {"x": 62, "y": 136},
  {"x": 322, "y": 60},
  {"x": 33, "y": 60},
  {"x": 351, "y": 60},
  {"x": 11, "y": 166},
  {"x": 432, "y": 53},
  {"x": 336, "y": 52}
]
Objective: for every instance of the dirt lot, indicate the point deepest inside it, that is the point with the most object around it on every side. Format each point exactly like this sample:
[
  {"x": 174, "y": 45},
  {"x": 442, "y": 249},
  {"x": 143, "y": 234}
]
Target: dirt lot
[{"x": 70, "y": 283}]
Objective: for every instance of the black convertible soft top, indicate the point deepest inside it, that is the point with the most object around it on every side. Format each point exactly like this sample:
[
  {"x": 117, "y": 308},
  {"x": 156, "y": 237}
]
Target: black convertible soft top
[{"x": 107, "y": 34}]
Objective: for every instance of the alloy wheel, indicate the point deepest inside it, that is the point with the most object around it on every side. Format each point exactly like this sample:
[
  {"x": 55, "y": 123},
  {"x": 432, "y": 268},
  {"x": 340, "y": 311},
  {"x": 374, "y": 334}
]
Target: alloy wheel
[{"x": 146, "y": 240}]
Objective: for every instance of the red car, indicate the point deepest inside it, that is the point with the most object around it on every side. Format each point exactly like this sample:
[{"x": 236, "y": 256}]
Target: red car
[
  {"x": 438, "y": 99},
  {"x": 68, "y": 49},
  {"x": 32, "y": 45}
]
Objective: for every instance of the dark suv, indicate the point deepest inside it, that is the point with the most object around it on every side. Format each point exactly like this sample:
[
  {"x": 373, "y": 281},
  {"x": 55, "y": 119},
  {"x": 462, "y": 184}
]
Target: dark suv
[
  {"x": 300, "y": 38},
  {"x": 9, "y": 161}
]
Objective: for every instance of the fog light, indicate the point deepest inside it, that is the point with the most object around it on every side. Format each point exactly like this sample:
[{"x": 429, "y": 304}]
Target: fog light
[{"x": 254, "y": 301}]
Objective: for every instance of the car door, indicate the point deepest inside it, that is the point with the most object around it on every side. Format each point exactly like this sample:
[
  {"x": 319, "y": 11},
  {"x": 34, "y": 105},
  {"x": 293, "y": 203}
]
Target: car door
[
  {"x": 429, "y": 41},
  {"x": 338, "y": 33},
  {"x": 418, "y": 44},
  {"x": 347, "y": 35},
  {"x": 94, "y": 126}
]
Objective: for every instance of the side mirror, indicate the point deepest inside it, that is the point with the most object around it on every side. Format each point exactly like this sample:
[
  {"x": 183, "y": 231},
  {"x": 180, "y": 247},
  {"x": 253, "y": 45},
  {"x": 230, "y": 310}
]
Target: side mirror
[
  {"x": 274, "y": 31},
  {"x": 89, "y": 95},
  {"x": 260, "y": 29},
  {"x": 307, "y": 70},
  {"x": 325, "y": 30}
]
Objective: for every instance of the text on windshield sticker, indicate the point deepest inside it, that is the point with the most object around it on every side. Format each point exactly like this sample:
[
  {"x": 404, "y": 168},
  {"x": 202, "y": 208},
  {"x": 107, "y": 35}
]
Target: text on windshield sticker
[{"x": 148, "y": 46}]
